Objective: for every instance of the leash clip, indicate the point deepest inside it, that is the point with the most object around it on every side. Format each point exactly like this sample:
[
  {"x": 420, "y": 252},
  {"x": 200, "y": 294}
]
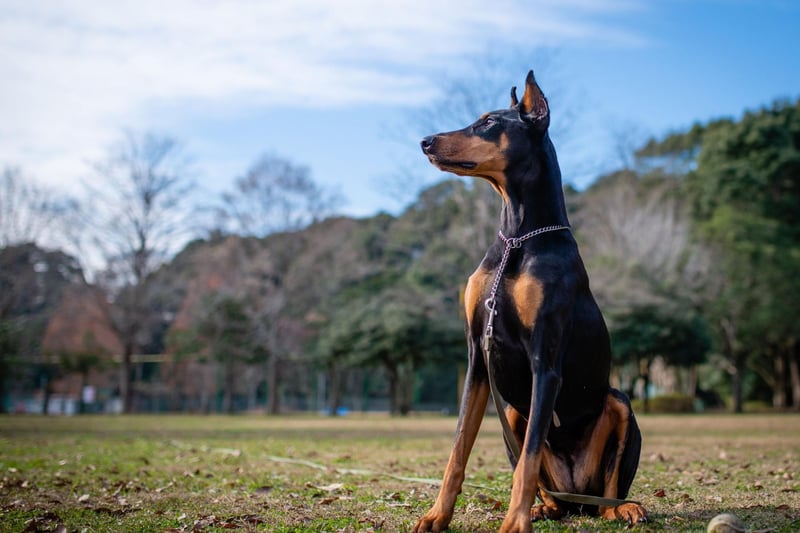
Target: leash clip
[
  {"x": 491, "y": 304},
  {"x": 488, "y": 333}
]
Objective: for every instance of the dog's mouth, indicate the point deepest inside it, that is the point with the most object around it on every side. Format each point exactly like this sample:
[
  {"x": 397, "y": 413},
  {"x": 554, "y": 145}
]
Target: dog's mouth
[{"x": 448, "y": 164}]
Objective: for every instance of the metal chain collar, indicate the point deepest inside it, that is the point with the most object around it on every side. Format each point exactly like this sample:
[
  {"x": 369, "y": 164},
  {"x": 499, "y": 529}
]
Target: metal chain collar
[{"x": 491, "y": 301}]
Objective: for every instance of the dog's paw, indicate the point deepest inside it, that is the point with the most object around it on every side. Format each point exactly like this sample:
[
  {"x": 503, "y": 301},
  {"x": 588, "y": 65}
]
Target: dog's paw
[
  {"x": 545, "y": 512},
  {"x": 516, "y": 523},
  {"x": 433, "y": 521},
  {"x": 632, "y": 513}
]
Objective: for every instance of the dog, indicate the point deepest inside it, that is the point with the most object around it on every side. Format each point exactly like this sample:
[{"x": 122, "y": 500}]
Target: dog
[{"x": 536, "y": 336}]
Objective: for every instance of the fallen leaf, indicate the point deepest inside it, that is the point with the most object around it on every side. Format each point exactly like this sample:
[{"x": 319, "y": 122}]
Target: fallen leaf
[
  {"x": 165, "y": 487},
  {"x": 326, "y": 488}
]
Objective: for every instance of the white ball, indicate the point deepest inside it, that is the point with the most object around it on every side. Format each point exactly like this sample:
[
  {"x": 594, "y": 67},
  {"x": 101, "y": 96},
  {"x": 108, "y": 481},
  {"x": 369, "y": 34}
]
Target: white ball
[{"x": 726, "y": 523}]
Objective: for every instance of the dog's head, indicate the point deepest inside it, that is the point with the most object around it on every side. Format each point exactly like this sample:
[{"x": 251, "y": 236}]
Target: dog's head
[{"x": 496, "y": 141}]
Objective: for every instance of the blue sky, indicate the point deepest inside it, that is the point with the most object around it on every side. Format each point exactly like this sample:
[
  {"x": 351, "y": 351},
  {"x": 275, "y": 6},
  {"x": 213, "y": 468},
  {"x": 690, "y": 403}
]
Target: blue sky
[{"x": 333, "y": 84}]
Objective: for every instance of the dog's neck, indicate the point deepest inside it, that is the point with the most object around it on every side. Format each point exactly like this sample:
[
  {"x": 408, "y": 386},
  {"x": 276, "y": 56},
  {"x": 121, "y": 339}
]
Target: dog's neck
[{"x": 537, "y": 200}]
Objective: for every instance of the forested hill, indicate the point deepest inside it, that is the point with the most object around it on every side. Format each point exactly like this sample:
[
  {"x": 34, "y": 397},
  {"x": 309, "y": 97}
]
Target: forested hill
[{"x": 692, "y": 253}]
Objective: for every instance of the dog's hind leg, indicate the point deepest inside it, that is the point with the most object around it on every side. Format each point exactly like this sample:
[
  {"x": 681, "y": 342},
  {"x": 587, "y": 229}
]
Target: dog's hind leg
[{"x": 616, "y": 443}]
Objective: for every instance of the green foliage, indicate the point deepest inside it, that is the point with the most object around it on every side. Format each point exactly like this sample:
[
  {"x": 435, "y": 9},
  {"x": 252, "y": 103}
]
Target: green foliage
[
  {"x": 746, "y": 198},
  {"x": 746, "y": 192},
  {"x": 648, "y": 331},
  {"x": 753, "y": 165},
  {"x": 403, "y": 312},
  {"x": 687, "y": 143},
  {"x": 225, "y": 328}
]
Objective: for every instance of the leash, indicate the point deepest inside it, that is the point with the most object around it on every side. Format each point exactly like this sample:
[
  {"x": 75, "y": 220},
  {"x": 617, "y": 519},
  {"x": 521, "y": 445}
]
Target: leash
[
  {"x": 491, "y": 307},
  {"x": 491, "y": 302},
  {"x": 512, "y": 243}
]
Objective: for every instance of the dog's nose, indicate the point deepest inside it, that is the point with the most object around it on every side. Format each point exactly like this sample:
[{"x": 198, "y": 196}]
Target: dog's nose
[{"x": 427, "y": 143}]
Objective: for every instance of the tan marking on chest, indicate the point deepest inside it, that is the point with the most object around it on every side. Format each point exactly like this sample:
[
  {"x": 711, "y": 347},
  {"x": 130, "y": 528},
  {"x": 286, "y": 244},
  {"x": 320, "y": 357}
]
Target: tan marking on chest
[
  {"x": 527, "y": 293},
  {"x": 477, "y": 283}
]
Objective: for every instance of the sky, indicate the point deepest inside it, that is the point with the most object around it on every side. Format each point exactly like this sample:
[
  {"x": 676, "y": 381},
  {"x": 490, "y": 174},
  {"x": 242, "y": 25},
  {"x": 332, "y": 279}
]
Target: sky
[{"x": 336, "y": 85}]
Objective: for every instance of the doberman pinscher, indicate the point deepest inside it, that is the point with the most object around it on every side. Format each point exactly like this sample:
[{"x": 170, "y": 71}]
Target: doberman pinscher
[{"x": 536, "y": 336}]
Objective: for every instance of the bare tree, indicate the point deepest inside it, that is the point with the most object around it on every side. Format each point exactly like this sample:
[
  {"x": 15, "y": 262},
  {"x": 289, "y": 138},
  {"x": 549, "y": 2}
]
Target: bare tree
[
  {"x": 274, "y": 195},
  {"x": 627, "y": 137},
  {"x": 635, "y": 233},
  {"x": 28, "y": 212},
  {"x": 137, "y": 198}
]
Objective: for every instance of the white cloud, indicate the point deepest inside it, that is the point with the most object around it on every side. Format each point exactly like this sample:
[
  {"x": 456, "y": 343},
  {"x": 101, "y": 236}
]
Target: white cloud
[{"x": 73, "y": 73}]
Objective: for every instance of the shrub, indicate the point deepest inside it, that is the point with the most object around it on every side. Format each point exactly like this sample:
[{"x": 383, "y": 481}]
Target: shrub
[{"x": 667, "y": 403}]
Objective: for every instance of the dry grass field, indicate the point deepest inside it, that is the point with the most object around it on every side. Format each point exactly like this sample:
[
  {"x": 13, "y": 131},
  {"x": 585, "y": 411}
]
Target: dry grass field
[{"x": 360, "y": 473}]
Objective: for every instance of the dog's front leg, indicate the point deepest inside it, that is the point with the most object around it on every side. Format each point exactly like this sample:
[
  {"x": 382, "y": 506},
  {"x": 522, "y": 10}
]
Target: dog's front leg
[
  {"x": 473, "y": 406},
  {"x": 546, "y": 383}
]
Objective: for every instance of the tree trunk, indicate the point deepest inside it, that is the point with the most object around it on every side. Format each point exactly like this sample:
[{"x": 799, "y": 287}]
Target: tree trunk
[
  {"x": 736, "y": 361},
  {"x": 393, "y": 388},
  {"x": 406, "y": 389},
  {"x": 125, "y": 381},
  {"x": 253, "y": 378},
  {"x": 274, "y": 397},
  {"x": 794, "y": 375},
  {"x": 5, "y": 371},
  {"x": 737, "y": 388},
  {"x": 691, "y": 380},
  {"x": 84, "y": 384},
  {"x": 228, "y": 379},
  {"x": 48, "y": 390},
  {"x": 779, "y": 381},
  {"x": 644, "y": 374},
  {"x": 334, "y": 390}
]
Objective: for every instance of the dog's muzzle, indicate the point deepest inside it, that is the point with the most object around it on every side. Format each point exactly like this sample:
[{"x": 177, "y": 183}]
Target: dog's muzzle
[{"x": 427, "y": 143}]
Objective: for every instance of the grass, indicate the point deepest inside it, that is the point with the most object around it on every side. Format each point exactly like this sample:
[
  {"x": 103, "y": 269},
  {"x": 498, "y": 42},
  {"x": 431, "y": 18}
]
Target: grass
[{"x": 181, "y": 473}]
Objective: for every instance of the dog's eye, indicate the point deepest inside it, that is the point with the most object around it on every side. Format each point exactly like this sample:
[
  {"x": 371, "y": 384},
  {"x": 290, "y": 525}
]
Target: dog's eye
[{"x": 486, "y": 123}]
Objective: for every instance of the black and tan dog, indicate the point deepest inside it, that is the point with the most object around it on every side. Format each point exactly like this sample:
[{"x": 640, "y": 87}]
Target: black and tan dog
[{"x": 534, "y": 328}]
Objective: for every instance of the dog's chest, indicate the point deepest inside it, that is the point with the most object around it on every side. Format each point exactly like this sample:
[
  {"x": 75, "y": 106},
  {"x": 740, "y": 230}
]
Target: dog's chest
[
  {"x": 504, "y": 337},
  {"x": 517, "y": 299}
]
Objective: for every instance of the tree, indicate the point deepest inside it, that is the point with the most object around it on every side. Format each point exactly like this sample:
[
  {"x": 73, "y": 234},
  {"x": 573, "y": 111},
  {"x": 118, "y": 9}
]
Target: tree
[
  {"x": 28, "y": 211},
  {"x": 274, "y": 195},
  {"x": 389, "y": 323},
  {"x": 32, "y": 281},
  {"x": 649, "y": 331},
  {"x": 83, "y": 362},
  {"x": 79, "y": 336},
  {"x": 401, "y": 310},
  {"x": 138, "y": 198},
  {"x": 746, "y": 192},
  {"x": 635, "y": 232},
  {"x": 225, "y": 329},
  {"x": 10, "y": 355}
]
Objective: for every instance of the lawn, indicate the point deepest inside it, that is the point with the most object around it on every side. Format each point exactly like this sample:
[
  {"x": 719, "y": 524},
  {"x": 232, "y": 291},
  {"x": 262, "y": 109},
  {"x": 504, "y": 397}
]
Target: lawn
[{"x": 360, "y": 473}]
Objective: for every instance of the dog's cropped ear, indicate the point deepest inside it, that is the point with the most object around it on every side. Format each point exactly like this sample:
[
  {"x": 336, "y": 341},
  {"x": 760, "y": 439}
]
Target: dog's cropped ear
[
  {"x": 514, "y": 101},
  {"x": 533, "y": 107}
]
